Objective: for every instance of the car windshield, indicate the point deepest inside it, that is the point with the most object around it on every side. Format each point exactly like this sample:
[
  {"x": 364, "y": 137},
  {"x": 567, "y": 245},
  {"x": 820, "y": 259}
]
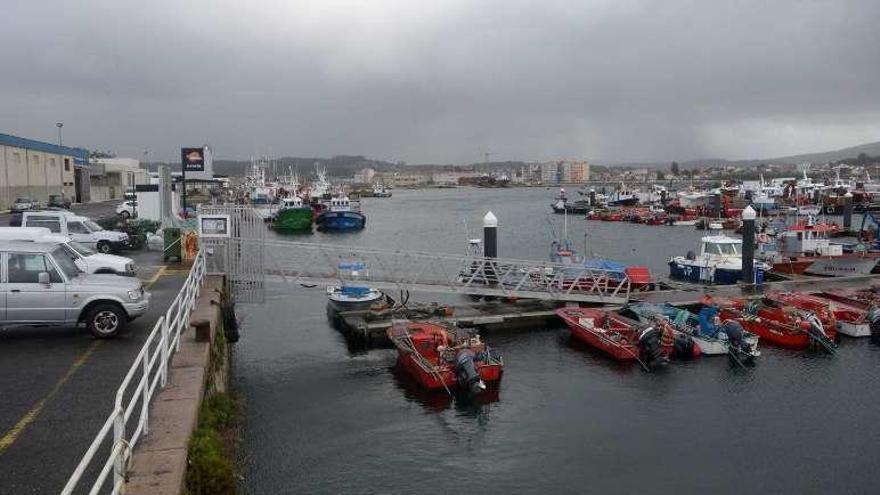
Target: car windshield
[
  {"x": 81, "y": 248},
  {"x": 92, "y": 226},
  {"x": 65, "y": 260},
  {"x": 22, "y": 200}
]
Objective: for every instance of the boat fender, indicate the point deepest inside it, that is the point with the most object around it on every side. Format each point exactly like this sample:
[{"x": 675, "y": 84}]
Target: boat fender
[{"x": 466, "y": 373}]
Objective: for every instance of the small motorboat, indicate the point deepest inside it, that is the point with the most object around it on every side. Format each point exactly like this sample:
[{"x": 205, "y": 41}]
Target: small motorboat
[
  {"x": 439, "y": 359},
  {"x": 619, "y": 337},
  {"x": 352, "y": 297},
  {"x": 714, "y": 341},
  {"x": 785, "y": 326},
  {"x": 851, "y": 320}
]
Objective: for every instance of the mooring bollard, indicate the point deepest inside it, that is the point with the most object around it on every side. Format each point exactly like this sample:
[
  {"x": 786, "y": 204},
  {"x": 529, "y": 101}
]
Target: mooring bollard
[
  {"x": 847, "y": 211},
  {"x": 490, "y": 236},
  {"x": 748, "y": 252},
  {"x": 592, "y": 197}
]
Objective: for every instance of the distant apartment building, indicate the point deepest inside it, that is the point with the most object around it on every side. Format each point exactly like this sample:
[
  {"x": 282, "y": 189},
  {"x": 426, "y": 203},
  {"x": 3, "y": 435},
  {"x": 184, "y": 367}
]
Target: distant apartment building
[
  {"x": 112, "y": 177},
  {"x": 364, "y": 176},
  {"x": 406, "y": 180},
  {"x": 565, "y": 172},
  {"x": 36, "y": 169}
]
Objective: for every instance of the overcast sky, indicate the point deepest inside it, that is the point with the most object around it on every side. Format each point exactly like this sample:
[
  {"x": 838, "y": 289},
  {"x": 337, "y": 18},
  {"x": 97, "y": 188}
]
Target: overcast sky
[{"x": 445, "y": 81}]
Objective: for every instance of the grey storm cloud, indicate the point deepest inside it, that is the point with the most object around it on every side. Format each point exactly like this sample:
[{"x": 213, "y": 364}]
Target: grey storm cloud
[{"x": 443, "y": 82}]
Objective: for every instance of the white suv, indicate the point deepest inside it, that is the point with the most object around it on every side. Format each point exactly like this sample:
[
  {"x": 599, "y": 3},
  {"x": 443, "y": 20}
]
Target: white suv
[{"x": 86, "y": 259}]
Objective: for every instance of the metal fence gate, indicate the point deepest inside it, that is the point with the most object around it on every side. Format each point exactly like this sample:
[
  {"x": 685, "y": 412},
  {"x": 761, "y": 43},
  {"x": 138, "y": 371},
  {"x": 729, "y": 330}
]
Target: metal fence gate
[{"x": 242, "y": 255}]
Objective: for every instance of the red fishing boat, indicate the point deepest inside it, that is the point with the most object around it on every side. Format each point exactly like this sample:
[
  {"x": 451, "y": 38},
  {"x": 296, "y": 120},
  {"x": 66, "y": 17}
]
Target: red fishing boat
[
  {"x": 849, "y": 319},
  {"x": 438, "y": 359},
  {"x": 785, "y": 326},
  {"x": 619, "y": 337}
]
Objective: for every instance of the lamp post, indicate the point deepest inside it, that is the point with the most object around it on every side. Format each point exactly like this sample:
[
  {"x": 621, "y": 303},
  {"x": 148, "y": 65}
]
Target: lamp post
[
  {"x": 59, "y": 125},
  {"x": 748, "y": 252}
]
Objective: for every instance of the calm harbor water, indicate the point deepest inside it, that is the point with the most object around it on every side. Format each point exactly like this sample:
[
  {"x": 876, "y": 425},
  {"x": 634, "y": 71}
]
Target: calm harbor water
[{"x": 320, "y": 419}]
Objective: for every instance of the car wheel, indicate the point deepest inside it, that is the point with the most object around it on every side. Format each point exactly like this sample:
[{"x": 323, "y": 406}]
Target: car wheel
[
  {"x": 125, "y": 214},
  {"x": 105, "y": 321},
  {"x": 103, "y": 247}
]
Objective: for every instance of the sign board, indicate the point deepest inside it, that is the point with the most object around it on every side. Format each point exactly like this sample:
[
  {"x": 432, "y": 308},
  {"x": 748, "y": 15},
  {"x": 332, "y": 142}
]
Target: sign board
[
  {"x": 192, "y": 159},
  {"x": 214, "y": 225}
]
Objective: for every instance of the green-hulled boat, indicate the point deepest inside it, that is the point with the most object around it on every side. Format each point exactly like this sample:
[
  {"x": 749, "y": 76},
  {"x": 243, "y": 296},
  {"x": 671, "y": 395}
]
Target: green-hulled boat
[{"x": 293, "y": 216}]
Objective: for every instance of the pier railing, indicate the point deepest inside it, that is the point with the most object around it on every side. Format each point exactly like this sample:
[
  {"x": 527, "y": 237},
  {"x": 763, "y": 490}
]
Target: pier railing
[
  {"x": 312, "y": 263},
  {"x": 148, "y": 373}
]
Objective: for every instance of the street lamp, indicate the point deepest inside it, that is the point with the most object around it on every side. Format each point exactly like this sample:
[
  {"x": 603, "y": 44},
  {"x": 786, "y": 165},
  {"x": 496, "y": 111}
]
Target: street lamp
[{"x": 59, "y": 125}]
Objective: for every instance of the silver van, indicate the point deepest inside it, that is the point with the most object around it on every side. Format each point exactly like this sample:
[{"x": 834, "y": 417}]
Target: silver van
[{"x": 41, "y": 286}]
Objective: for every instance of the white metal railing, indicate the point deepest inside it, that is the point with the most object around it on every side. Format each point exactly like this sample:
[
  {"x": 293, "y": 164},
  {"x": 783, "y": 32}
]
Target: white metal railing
[{"x": 151, "y": 364}]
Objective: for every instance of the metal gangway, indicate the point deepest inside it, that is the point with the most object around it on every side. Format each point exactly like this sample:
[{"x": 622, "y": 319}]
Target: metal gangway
[{"x": 250, "y": 259}]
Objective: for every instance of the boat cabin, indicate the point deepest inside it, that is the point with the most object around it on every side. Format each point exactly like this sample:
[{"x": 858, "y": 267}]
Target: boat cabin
[
  {"x": 808, "y": 239},
  {"x": 294, "y": 202},
  {"x": 342, "y": 203},
  {"x": 720, "y": 246}
]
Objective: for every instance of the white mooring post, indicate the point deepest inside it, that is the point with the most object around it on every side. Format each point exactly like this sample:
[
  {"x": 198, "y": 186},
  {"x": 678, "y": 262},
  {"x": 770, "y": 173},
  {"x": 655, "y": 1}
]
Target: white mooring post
[{"x": 490, "y": 236}]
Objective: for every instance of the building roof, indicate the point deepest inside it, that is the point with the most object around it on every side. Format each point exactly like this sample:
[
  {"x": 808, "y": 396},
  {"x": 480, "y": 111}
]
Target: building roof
[{"x": 80, "y": 155}]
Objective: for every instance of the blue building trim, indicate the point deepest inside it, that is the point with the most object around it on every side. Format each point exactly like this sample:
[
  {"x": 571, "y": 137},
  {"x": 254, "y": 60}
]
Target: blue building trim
[{"x": 80, "y": 155}]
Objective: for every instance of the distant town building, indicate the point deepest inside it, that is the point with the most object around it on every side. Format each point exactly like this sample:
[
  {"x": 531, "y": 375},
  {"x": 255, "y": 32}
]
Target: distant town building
[
  {"x": 406, "y": 180},
  {"x": 36, "y": 169},
  {"x": 565, "y": 172},
  {"x": 112, "y": 177},
  {"x": 364, "y": 176}
]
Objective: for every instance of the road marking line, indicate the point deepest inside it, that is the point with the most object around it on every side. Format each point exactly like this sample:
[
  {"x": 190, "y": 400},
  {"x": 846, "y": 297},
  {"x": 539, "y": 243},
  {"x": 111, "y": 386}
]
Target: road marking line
[
  {"x": 149, "y": 283},
  {"x": 11, "y": 436}
]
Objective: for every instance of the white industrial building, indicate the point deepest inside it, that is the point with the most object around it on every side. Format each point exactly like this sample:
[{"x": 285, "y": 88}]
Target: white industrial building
[{"x": 112, "y": 177}]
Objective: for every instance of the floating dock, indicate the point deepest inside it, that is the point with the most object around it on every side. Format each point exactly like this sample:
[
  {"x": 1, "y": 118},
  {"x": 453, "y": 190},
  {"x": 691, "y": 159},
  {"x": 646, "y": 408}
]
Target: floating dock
[{"x": 369, "y": 327}]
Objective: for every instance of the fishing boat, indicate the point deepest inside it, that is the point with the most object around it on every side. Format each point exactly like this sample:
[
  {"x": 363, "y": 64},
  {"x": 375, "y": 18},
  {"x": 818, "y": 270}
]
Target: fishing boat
[
  {"x": 851, "y": 320},
  {"x": 785, "y": 326},
  {"x": 293, "y": 216},
  {"x": 440, "y": 359},
  {"x": 807, "y": 248},
  {"x": 341, "y": 214},
  {"x": 622, "y": 197},
  {"x": 563, "y": 205},
  {"x": 719, "y": 262},
  {"x": 380, "y": 191},
  {"x": 712, "y": 339},
  {"x": 619, "y": 337}
]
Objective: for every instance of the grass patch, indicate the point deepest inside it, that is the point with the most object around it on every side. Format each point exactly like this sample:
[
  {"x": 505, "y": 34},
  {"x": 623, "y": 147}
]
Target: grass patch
[{"x": 211, "y": 469}]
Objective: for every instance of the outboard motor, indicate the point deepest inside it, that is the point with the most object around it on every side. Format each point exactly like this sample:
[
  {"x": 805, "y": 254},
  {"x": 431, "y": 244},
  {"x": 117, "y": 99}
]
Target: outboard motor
[
  {"x": 650, "y": 349},
  {"x": 683, "y": 346},
  {"x": 874, "y": 318},
  {"x": 817, "y": 333},
  {"x": 737, "y": 349},
  {"x": 466, "y": 373}
]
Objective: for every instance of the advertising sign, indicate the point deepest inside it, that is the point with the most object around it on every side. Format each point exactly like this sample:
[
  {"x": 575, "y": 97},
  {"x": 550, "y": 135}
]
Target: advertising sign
[{"x": 192, "y": 159}]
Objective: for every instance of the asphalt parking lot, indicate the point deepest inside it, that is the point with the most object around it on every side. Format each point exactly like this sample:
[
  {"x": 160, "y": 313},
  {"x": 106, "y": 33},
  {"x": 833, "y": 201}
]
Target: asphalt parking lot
[{"x": 57, "y": 386}]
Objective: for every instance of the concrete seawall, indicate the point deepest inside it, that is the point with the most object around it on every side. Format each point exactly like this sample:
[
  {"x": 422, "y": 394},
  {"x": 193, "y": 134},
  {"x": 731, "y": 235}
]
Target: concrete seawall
[{"x": 199, "y": 368}]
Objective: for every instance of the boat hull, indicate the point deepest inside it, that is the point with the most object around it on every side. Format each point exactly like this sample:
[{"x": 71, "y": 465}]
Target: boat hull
[
  {"x": 341, "y": 220},
  {"x": 445, "y": 376},
  {"x": 840, "y": 266},
  {"x": 681, "y": 270},
  {"x": 293, "y": 220},
  {"x": 620, "y": 348},
  {"x": 853, "y": 329}
]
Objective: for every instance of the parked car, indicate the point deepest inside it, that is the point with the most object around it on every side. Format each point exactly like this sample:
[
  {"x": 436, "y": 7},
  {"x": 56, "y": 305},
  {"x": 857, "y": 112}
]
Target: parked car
[
  {"x": 85, "y": 258},
  {"x": 77, "y": 228},
  {"x": 58, "y": 201},
  {"x": 24, "y": 204},
  {"x": 127, "y": 209},
  {"x": 43, "y": 286}
]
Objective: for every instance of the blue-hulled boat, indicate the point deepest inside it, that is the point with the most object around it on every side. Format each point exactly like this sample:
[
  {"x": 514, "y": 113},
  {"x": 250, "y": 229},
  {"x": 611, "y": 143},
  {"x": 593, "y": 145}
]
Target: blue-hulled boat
[{"x": 341, "y": 214}]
